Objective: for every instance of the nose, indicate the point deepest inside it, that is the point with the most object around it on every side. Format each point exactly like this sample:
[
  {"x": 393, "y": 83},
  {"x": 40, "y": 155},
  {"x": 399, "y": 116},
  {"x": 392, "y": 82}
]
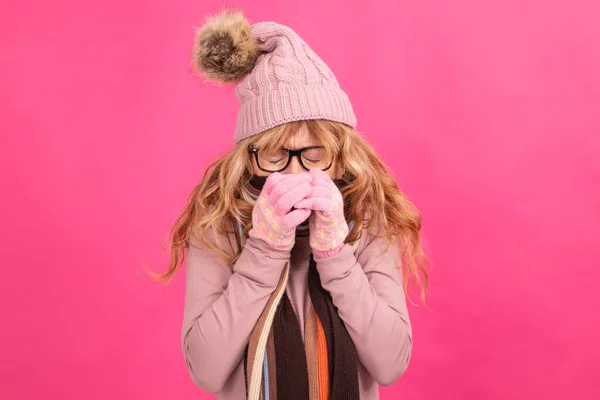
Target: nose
[{"x": 295, "y": 167}]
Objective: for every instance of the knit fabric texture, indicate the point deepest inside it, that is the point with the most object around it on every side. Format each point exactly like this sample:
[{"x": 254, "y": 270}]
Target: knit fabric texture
[{"x": 288, "y": 83}]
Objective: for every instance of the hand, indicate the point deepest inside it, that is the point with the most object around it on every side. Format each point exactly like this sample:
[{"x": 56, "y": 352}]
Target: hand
[
  {"x": 328, "y": 227},
  {"x": 273, "y": 219}
]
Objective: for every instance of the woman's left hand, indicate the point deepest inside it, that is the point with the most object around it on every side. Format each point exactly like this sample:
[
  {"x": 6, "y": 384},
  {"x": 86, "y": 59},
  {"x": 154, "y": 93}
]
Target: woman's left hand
[{"x": 328, "y": 227}]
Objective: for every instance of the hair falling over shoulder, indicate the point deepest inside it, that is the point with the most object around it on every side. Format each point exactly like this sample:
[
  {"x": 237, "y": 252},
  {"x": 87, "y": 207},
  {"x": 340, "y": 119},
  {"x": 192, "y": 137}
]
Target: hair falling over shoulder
[{"x": 376, "y": 202}]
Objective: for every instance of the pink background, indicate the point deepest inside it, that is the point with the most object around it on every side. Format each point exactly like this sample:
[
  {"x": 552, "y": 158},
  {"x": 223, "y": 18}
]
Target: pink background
[{"x": 487, "y": 111}]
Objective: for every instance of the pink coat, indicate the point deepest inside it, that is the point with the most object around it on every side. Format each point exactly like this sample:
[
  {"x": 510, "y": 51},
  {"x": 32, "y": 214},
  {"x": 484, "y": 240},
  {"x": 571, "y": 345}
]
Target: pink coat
[{"x": 223, "y": 303}]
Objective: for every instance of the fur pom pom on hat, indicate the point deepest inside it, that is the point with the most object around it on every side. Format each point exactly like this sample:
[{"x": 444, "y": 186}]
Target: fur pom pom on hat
[
  {"x": 278, "y": 76},
  {"x": 225, "y": 51}
]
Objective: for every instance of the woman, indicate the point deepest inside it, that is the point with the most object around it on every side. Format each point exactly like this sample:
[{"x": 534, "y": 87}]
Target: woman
[{"x": 297, "y": 238}]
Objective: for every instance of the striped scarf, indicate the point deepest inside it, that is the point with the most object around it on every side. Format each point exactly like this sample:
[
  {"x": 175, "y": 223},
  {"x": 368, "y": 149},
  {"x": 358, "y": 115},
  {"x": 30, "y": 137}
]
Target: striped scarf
[{"x": 279, "y": 365}]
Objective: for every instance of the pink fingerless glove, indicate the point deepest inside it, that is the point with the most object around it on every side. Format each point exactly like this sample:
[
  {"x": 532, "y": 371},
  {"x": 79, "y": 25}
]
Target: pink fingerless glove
[
  {"x": 328, "y": 227},
  {"x": 272, "y": 218}
]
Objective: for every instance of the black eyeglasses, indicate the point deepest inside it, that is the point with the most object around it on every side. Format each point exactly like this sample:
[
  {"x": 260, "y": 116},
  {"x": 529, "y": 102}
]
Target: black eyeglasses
[{"x": 279, "y": 160}]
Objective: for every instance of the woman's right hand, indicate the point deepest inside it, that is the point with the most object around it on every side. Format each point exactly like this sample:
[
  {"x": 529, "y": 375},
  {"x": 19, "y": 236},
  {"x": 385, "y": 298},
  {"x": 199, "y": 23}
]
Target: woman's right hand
[{"x": 273, "y": 220}]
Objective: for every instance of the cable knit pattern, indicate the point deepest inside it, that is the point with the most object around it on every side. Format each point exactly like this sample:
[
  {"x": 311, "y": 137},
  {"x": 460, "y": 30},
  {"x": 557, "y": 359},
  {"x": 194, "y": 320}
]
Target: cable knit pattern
[
  {"x": 289, "y": 83},
  {"x": 272, "y": 218},
  {"x": 328, "y": 227}
]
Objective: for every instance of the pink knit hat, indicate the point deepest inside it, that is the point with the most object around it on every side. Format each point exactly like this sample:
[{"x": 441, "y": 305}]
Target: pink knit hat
[{"x": 279, "y": 78}]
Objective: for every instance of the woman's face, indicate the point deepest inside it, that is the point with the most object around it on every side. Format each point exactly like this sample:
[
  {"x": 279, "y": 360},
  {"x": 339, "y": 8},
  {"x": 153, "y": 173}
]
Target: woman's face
[{"x": 301, "y": 139}]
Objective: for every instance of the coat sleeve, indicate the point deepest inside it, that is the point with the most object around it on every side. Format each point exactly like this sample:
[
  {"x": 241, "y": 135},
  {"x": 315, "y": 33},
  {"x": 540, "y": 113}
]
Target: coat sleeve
[
  {"x": 368, "y": 293},
  {"x": 222, "y": 304}
]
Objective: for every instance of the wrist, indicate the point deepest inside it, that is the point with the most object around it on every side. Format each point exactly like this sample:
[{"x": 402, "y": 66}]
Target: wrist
[
  {"x": 328, "y": 253},
  {"x": 277, "y": 241},
  {"x": 269, "y": 247}
]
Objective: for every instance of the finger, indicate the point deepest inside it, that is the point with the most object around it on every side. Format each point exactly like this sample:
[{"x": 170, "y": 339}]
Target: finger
[
  {"x": 328, "y": 189},
  {"x": 320, "y": 191},
  {"x": 288, "y": 182},
  {"x": 315, "y": 204},
  {"x": 273, "y": 179},
  {"x": 277, "y": 178},
  {"x": 317, "y": 173},
  {"x": 291, "y": 197},
  {"x": 294, "y": 218},
  {"x": 322, "y": 182}
]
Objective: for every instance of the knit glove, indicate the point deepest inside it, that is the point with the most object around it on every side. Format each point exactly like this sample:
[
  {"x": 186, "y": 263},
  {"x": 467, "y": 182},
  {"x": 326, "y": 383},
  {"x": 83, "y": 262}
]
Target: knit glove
[
  {"x": 328, "y": 227},
  {"x": 273, "y": 220}
]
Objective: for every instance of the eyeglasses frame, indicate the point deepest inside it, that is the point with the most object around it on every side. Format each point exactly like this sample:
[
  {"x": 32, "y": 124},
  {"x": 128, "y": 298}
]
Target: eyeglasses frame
[{"x": 291, "y": 154}]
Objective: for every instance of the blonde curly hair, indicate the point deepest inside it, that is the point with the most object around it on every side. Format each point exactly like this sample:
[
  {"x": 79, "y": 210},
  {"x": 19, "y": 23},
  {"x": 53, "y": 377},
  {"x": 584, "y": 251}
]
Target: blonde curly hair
[{"x": 219, "y": 200}]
